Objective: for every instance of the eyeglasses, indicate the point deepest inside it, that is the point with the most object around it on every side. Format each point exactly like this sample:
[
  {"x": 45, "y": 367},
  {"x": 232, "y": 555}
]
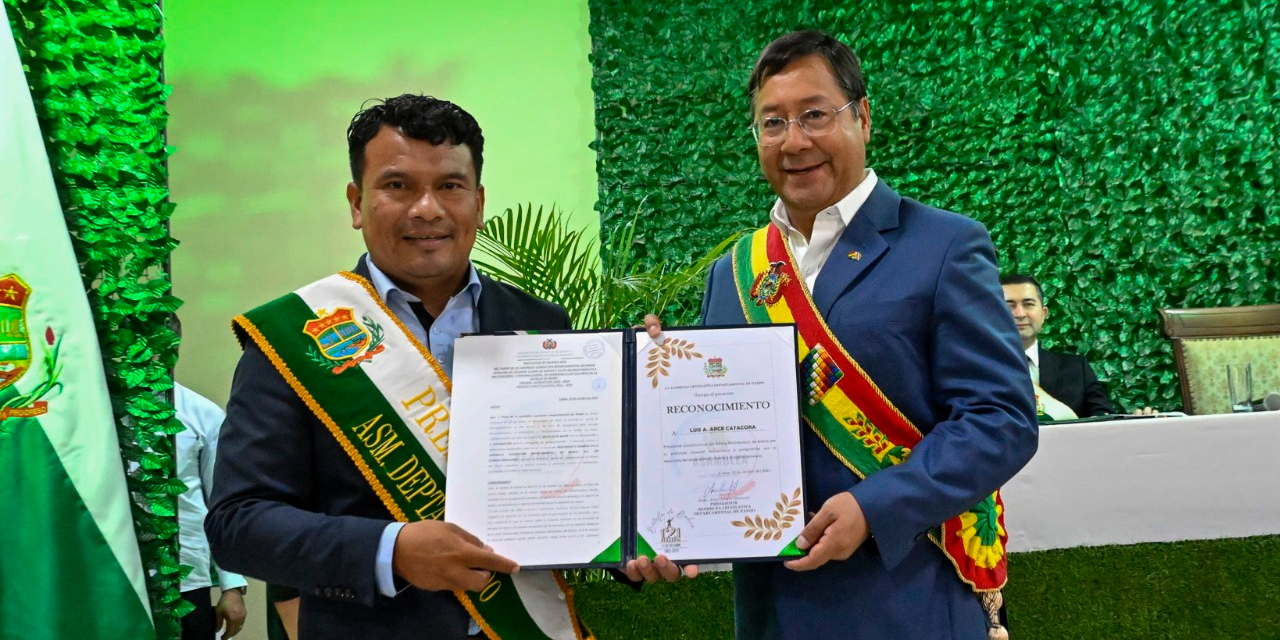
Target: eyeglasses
[{"x": 814, "y": 122}]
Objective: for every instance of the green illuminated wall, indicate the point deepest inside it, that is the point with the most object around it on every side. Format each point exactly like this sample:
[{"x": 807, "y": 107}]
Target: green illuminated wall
[{"x": 261, "y": 100}]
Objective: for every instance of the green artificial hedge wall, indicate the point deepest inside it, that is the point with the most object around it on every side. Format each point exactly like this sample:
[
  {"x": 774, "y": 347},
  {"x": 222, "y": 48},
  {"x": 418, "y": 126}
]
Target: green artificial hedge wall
[
  {"x": 1201, "y": 590},
  {"x": 1124, "y": 152},
  {"x": 94, "y": 71}
]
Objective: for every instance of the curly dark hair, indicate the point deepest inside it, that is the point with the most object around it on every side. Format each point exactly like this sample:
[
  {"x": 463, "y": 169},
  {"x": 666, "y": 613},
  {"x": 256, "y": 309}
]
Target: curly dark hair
[{"x": 420, "y": 117}]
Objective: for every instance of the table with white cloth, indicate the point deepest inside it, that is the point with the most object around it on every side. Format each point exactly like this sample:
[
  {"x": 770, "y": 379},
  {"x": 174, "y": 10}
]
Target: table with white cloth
[{"x": 1160, "y": 479}]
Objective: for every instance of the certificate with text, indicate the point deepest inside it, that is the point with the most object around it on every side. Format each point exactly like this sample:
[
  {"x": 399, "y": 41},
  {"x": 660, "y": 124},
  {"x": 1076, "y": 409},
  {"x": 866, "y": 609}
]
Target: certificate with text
[
  {"x": 536, "y": 447},
  {"x": 718, "y": 462},
  {"x": 591, "y": 448}
]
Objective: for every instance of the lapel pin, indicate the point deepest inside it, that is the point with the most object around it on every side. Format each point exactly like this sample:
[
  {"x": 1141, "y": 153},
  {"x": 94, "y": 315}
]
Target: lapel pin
[{"x": 854, "y": 255}]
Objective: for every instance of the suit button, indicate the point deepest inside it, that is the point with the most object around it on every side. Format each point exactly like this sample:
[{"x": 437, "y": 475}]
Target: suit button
[{"x": 328, "y": 592}]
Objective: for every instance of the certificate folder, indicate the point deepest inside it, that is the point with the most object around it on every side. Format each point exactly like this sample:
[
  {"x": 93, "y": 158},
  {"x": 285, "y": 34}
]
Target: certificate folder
[{"x": 591, "y": 448}]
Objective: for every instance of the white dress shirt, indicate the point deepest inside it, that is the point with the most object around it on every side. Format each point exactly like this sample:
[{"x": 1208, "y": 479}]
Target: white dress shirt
[
  {"x": 1033, "y": 361},
  {"x": 196, "y": 448},
  {"x": 828, "y": 225}
]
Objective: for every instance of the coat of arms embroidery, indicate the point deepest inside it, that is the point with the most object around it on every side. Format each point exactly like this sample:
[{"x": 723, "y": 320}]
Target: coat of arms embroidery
[
  {"x": 342, "y": 341},
  {"x": 767, "y": 288},
  {"x": 16, "y": 352}
]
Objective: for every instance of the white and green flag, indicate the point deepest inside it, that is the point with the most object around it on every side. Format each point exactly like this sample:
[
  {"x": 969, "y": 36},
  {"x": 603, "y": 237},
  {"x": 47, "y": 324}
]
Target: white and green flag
[{"x": 69, "y": 563}]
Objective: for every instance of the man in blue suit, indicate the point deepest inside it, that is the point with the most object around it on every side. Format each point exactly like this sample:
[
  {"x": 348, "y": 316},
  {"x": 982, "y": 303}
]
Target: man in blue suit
[{"x": 912, "y": 295}]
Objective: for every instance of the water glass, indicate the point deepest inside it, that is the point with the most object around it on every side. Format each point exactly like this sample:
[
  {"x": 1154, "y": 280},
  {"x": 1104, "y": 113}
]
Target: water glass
[{"x": 1240, "y": 387}]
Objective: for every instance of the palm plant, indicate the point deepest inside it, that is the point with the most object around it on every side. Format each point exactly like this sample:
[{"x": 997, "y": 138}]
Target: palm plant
[{"x": 537, "y": 252}]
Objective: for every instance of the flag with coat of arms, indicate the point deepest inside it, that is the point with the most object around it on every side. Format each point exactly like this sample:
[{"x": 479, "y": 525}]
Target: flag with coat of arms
[{"x": 69, "y": 561}]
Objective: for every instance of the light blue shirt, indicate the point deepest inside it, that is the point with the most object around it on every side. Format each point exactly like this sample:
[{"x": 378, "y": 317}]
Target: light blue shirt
[
  {"x": 197, "y": 448},
  {"x": 460, "y": 316}
]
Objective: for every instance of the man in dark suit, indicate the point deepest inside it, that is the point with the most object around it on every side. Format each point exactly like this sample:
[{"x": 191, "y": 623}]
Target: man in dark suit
[
  {"x": 293, "y": 504},
  {"x": 1066, "y": 377},
  {"x": 910, "y": 292}
]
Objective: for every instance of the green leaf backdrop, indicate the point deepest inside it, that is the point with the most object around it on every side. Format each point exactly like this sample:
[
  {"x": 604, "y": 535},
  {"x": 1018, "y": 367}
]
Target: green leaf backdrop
[
  {"x": 94, "y": 70},
  {"x": 1124, "y": 152}
]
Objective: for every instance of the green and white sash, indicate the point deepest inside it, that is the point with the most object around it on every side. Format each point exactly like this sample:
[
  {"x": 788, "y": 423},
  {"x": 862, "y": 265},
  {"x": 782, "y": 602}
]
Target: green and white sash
[
  {"x": 1049, "y": 408},
  {"x": 386, "y": 400}
]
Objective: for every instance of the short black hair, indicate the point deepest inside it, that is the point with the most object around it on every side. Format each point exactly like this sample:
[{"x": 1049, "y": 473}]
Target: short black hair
[
  {"x": 1022, "y": 278},
  {"x": 798, "y": 44},
  {"x": 419, "y": 117}
]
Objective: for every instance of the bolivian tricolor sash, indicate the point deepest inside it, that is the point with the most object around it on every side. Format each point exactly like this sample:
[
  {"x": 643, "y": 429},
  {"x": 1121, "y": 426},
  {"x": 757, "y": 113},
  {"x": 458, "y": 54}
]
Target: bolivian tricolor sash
[
  {"x": 386, "y": 401},
  {"x": 846, "y": 409}
]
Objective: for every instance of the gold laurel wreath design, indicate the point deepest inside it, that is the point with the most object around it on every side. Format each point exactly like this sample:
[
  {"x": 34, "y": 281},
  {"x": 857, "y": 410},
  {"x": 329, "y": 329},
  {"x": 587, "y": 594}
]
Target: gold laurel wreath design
[
  {"x": 660, "y": 358},
  {"x": 785, "y": 512}
]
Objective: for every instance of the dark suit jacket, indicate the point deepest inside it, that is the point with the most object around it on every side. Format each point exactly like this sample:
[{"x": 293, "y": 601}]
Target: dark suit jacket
[
  {"x": 1070, "y": 379},
  {"x": 922, "y": 312},
  {"x": 290, "y": 508}
]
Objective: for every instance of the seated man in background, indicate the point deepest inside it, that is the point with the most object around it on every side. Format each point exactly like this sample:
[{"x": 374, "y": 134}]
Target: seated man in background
[{"x": 1067, "y": 387}]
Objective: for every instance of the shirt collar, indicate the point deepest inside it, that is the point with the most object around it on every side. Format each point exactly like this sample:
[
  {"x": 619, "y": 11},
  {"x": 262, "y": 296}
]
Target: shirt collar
[
  {"x": 385, "y": 287},
  {"x": 1033, "y": 353},
  {"x": 846, "y": 207}
]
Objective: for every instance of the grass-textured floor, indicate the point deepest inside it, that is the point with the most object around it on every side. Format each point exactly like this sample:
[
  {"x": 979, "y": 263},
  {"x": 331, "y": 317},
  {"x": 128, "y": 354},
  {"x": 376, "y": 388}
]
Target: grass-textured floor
[{"x": 1210, "y": 590}]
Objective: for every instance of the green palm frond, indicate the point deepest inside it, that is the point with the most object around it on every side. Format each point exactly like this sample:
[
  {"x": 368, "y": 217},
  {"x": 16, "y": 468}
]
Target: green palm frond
[{"x": 536, "y": 252}]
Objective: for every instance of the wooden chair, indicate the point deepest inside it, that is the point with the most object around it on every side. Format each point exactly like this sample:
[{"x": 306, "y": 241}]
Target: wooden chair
[{"x": 1206, "y": 340}]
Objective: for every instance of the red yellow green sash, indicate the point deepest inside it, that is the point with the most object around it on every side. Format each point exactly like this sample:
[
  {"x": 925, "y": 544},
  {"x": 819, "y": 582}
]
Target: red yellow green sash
[{"x": 848, "y": 411}]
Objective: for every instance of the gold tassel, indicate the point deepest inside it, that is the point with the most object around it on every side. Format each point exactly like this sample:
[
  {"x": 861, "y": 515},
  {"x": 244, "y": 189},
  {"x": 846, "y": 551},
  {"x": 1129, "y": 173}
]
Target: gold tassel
[{"x": 991, "y": 603}]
